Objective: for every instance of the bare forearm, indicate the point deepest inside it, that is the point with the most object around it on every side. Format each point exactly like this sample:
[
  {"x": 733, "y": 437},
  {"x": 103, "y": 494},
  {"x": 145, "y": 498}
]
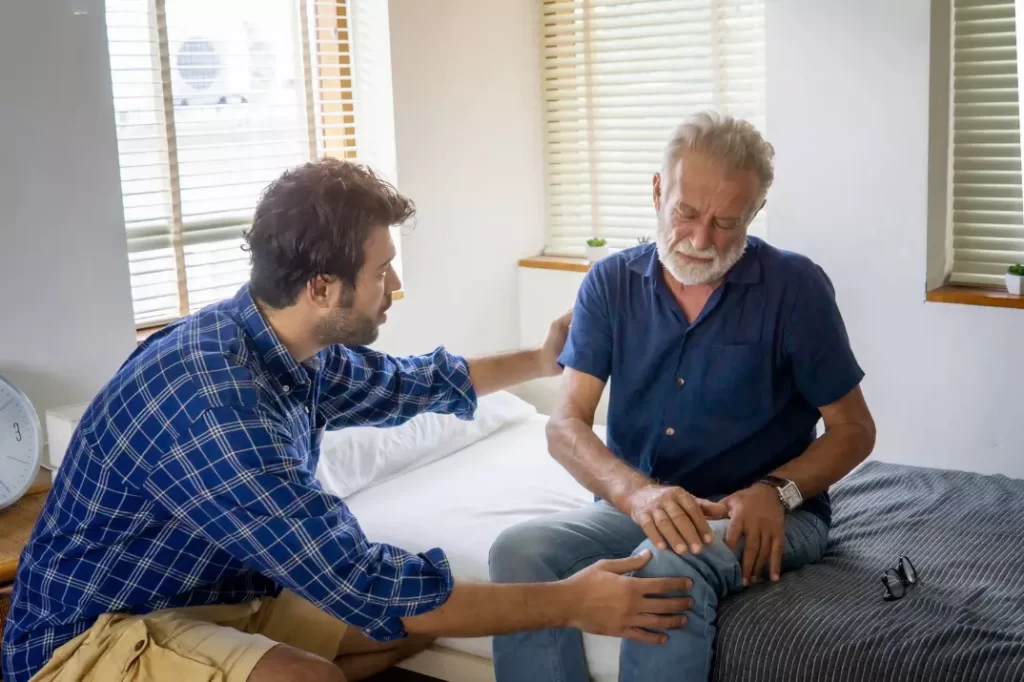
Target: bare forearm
[
  {"x": 573, "y": 443},
  {"x": 829, "y": 458},
  {"x": 496, "y": 372},
  {"x": 482, "y": 609}
]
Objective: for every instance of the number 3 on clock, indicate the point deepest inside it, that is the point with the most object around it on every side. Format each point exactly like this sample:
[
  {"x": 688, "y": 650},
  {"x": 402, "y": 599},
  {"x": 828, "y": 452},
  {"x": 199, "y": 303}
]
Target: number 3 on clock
[{"x": 17, "y": 432}]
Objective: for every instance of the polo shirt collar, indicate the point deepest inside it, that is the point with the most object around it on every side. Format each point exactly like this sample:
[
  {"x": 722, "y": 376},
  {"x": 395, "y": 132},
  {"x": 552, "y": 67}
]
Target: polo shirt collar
[
  {"x": 746, "y": 271},
  {"x": 277, "y": 359}
]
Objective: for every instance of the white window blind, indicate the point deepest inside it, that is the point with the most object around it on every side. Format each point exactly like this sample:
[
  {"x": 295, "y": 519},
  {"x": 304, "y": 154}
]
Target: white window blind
[
  {"x": 988, "y": 211},
  {"x": 618, "y": 77},
  {"x": 214, "y": 99}
]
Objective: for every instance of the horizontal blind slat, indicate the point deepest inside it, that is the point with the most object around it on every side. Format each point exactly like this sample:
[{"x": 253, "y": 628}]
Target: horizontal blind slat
[
  {"x": 237, "y": 92},
  {"x": 988, "y": 208},
  {"x": 618, "y": 76}
]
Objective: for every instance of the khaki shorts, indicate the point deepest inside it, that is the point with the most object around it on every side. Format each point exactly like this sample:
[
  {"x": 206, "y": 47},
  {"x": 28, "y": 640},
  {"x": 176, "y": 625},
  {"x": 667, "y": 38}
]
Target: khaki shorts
[{"x": 219, "y": 643}]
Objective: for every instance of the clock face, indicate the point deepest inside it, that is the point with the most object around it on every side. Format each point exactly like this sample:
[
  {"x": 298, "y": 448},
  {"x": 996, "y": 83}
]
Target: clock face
[{"x": 20, "y": 443}]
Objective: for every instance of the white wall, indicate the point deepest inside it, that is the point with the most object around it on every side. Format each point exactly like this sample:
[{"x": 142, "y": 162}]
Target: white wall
[
  {"x": 65, "y": 305},
  {"x": 466, "y": 80},
  {"x": 848, "y": 113}
]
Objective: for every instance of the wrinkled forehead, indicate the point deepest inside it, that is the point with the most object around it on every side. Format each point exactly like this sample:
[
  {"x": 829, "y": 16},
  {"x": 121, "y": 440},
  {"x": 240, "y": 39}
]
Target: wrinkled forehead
[{"x": 700, "y": 176}]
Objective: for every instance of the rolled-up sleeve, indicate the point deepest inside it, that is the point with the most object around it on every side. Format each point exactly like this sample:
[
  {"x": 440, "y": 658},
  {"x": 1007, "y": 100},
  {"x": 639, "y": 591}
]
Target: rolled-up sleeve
[
  {"x": 238, "y": 480},
  {"x": 362, "y": 387},
  {"x": 589, "y": 346}
]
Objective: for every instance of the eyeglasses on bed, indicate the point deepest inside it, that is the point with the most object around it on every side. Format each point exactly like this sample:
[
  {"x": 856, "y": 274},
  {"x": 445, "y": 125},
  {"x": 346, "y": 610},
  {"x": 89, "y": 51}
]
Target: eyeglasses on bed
[{"x": 898, "y": 580}]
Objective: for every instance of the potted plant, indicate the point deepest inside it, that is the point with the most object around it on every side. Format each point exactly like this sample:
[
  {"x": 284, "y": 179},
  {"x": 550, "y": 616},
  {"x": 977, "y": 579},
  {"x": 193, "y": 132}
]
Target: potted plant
[
  {"x": 640, "y": 241},
  {"x": 597, "y": 249},
  {"x": 1014, "y": 279}
]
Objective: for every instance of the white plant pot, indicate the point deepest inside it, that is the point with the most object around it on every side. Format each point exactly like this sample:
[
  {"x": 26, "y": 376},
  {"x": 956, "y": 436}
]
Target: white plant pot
[
  {"x": 1013, "y": 284},
  {"x": 596, "y": 253}
]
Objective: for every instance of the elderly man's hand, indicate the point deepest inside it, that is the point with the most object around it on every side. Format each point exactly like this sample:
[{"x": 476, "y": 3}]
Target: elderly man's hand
[
  {"x": 558, "y": 334},
  {"x": 757, "y": 515},
  {"x": 672, "y": 517}
]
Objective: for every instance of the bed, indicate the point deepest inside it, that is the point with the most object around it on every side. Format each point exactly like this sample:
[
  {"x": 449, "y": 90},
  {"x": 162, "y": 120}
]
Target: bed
[{"x": 964, "y": 621}]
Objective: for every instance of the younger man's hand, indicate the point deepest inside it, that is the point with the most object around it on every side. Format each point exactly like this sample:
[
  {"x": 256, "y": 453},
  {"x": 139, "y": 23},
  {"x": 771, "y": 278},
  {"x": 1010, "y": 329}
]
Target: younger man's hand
[
  {"x": 604, "y": 601},
  {"x": 558, "y": 334}
]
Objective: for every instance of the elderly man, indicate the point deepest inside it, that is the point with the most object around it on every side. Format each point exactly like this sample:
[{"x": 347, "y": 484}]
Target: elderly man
[
  {"x": 186, "y": 538},
  {"x": 723, "y": 353}
]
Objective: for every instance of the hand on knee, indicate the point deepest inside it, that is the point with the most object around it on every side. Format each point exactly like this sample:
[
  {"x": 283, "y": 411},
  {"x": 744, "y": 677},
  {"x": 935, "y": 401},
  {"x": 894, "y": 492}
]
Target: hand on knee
[
  {"x": 666, "y": 563},
  {"x": 714, "y": 570}
]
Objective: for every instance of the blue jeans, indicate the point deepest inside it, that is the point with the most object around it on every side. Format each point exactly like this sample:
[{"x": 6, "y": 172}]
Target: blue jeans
[{"x": 554, "y": 547}]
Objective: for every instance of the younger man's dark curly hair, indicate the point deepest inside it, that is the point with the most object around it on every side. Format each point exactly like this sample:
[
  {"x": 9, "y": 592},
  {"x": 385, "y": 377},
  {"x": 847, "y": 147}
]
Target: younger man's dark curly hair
[{"x": 314, "y": 220}]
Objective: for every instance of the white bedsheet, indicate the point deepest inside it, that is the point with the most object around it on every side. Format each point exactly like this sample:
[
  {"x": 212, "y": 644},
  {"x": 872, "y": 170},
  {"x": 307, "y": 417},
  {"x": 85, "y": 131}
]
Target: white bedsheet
[{"x": 461, "y": 504}]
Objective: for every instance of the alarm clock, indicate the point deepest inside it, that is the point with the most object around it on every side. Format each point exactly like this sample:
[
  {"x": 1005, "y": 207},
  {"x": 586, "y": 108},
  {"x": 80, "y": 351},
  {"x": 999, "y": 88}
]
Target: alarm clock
[{"x": 21, "y": 443}]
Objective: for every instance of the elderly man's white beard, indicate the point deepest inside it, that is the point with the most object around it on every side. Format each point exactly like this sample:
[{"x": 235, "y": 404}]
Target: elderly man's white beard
[{"x": 691, "y": 273}]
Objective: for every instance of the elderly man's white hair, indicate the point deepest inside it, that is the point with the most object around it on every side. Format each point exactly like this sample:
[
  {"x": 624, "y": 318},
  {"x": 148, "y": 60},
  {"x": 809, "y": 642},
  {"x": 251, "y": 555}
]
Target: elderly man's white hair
[{"x": 732, "y": 141}]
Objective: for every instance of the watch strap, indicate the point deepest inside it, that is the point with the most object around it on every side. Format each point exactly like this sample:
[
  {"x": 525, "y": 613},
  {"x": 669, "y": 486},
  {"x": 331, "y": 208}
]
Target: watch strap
[{"x": 789, "y": 493}]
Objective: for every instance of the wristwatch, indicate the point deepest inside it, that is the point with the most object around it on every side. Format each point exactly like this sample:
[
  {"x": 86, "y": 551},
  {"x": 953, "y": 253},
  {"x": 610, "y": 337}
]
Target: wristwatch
[{"x": 789, "y": 494}]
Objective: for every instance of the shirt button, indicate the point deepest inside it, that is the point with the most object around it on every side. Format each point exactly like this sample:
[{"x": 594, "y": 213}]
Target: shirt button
[
  {"x": 680, "y": 381},
  {"x": 670, "y": 431},
  {"x": 307, "y": 409},
  {"x": 286, "y": 389},
  {"x": 138, "y": 645}
]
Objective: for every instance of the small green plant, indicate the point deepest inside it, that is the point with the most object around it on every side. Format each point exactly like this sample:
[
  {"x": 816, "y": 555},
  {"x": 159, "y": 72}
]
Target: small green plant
[
  {"x": 1017, "y": 270},
  {"x": 640, "y": 241},
  {"x": 596, "y": 241}
]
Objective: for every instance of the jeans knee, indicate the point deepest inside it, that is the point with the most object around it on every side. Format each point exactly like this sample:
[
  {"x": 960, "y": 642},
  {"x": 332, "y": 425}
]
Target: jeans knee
[
  {"x": 524, "y": 553},
  {"x": 715, "y": 568},
  {"x": 667, "y": 564}
]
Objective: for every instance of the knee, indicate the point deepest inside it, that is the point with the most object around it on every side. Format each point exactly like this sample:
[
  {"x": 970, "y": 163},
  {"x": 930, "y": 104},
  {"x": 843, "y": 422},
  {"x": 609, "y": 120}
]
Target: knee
[
  {"x": 667, "y": 564},
  {"x": 710, "y": 570},
  {"x": 524, "y": 553},
  {"x": 284, "y": 662}
]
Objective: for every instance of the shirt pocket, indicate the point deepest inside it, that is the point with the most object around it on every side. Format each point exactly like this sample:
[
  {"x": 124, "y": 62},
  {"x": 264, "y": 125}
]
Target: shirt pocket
[{"x": 736, "y": 382}]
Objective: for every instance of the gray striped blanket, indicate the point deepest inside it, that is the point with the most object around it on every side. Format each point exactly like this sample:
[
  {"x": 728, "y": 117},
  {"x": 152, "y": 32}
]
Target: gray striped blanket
[{"x": 964, "y": 621}]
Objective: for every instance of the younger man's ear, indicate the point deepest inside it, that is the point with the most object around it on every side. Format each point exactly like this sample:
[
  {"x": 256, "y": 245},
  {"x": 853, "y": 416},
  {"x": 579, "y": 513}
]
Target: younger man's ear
[{"x": 320, "y": 290}]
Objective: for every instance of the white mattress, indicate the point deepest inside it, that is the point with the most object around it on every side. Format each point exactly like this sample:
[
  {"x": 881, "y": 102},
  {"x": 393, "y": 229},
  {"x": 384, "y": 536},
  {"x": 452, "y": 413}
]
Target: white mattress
[{"x": 461, "y": 504}]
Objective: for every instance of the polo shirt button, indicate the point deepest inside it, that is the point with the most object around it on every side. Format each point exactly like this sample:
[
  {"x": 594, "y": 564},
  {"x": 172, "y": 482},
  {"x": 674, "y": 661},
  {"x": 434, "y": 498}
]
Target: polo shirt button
[
  {"x": 286, "y": 389},
  {"x": 670, "y": 431},
  {"x": 680, "y": 381}
]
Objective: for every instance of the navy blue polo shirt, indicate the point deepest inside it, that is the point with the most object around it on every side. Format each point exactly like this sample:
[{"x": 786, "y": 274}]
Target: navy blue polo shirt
[{"x": 714, "y": 405}]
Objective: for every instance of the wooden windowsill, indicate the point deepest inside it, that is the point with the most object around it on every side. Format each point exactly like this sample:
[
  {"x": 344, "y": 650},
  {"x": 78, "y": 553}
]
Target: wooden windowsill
[
  {"x": 145, "y": 332},
  {"x": 998, "y": 298},
  {"x": 556, "y": 263}
]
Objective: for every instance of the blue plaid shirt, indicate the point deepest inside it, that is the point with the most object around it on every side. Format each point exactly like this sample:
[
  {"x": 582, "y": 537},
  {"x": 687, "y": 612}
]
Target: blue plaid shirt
[{"x": 190, "y": 481}]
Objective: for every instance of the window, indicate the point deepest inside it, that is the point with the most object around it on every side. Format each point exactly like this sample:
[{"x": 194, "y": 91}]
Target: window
[
  {"x": 618, "y": 77},
  {"x": 214, "y": 99},
  {"x": 988, "y": 210}
]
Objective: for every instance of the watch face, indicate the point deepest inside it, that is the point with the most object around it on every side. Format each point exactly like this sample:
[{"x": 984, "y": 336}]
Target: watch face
[{"x": 790, "y": 495}]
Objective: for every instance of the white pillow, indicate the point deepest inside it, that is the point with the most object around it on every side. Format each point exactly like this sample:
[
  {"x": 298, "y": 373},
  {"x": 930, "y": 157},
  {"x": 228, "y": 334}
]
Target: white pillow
[{"x": 362, "y": 456}]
